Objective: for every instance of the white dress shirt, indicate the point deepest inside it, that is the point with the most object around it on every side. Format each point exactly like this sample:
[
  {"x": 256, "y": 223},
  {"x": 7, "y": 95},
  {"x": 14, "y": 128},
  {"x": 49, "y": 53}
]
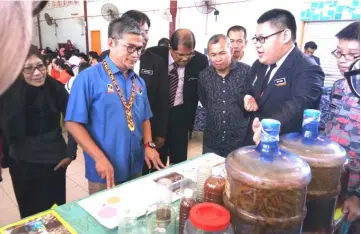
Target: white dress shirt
[
  {"x": 279, "y": 64},
  {"x": 179, "y": 93},
  {"x": 136, "y": 67}
]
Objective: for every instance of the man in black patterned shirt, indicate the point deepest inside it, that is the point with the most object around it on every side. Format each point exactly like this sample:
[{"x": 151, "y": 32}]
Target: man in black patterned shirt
[{"x": 219, "y": 89}]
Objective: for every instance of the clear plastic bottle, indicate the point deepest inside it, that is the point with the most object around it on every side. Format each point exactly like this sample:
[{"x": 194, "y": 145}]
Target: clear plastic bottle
[
  {"x": 266, "y": 186},
  {"x": 326, "y": 159},
  {"x": 203, "y": 173},
  {"x": 214, "y": 187},
  {"x": 186, "y": 205},
  {"x": 208, "y": 218}
]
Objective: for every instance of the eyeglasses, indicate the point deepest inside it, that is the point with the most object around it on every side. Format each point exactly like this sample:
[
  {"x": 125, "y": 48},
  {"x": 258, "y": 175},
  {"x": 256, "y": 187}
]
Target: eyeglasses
[
  {"x": 348, "y": 57},
  {"x": 190, "y": 55},
  {"x": 131, "y": 48},
  {"x": 30, "y": 69},
  {"x": 262, "y": 39}
]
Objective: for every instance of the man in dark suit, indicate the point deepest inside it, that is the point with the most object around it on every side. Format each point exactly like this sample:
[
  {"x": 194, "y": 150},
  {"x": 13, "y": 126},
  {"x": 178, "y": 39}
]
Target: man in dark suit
[
  {"x": 309, "y": 49},
  {"x": 184, "y": 65},
  {"x": 152, "y": 68},
  {"x": 284, "y": 81}
]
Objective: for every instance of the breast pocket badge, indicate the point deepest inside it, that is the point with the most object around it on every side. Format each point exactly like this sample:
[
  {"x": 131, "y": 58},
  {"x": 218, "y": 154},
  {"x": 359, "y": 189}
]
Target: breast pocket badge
[
  {"x": 110, "y": 88},
  {"x": 146, "y": 72},
  {"x": 280, "y": 82}
]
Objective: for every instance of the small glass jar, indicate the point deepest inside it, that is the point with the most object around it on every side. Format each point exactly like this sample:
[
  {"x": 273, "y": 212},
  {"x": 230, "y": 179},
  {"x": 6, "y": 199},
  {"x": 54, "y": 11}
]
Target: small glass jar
[
  {"x": 185, "y": 207},
  {"x": 214, "y": 187}
]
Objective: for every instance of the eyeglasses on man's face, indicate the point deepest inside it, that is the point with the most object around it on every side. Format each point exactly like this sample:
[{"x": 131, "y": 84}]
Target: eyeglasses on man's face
[
  {"x": 28, "y": 69},
  {"x": 262, "y": 39},
  {"x": 131, "y": 48},
  {"x": 349, "y": 57}
]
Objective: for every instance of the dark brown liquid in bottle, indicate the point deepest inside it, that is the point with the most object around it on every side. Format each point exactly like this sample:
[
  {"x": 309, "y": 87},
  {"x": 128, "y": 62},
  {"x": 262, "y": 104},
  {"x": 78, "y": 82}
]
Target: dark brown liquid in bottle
[
  {"x": 186, "y": 205},
  {"x": 213, "y": 189}
]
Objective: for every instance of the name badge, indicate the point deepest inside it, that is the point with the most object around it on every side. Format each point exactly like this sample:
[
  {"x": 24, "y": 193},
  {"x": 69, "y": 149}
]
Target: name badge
[
  {"x": 192, "y": 78},
  {"x": 146, "y": 72},
  {"x": 280, "y": 82},
  {"x": 110, "y": 88}
]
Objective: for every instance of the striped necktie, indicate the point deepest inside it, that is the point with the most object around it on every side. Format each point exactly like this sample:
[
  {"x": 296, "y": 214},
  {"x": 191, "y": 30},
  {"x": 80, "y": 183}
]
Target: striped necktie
[{"x": 173, "y": 83}]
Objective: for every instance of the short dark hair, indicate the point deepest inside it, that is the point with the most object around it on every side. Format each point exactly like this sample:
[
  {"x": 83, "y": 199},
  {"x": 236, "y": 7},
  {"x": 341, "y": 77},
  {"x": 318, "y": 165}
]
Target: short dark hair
[
  {"x": 83, "y": 66},
  {"x": 68, "y": 54},
  {"x": 61, "y": 63},
  {"x": 216, "y": 38},
  {"x": 311, "y": 45},
  {"x": 138, "y": 16},
  {"x": 84, "y": 56},
  {"x": 186, "y": 39},
  {"x": 94, "y": 55},
  {"x": 280, "y": 19},
  {"x": 237, "y": 28},
  {"x": 163, "y": 41},
  {"x": 350, "y": 33},
  {"x": 120, "y": 26}
]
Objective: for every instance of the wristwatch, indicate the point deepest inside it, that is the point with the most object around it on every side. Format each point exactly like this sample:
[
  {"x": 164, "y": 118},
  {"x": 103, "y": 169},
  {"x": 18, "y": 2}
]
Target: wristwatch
[{"x": 150, "y": 144}]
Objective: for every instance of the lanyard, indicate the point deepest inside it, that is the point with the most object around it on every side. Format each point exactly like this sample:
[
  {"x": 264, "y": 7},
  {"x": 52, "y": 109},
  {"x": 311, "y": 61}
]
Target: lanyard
[{"x": 127, "y": 106}]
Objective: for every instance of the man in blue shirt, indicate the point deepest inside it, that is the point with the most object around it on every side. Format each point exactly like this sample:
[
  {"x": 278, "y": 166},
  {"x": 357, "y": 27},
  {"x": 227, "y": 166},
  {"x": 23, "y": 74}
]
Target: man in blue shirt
[{"x": 108, "y": 112}]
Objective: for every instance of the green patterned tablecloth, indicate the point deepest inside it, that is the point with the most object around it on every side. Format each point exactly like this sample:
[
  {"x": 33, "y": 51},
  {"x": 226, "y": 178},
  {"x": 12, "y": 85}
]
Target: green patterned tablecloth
[{"x": 83, "y": 223}]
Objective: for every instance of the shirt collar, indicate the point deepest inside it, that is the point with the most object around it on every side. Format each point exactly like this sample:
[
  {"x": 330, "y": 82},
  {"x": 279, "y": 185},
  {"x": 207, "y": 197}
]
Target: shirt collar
[
  {"x": 170, "y": 59},
  {"x": 114, "y": 69},
  {"x": 280, "y": 62}
]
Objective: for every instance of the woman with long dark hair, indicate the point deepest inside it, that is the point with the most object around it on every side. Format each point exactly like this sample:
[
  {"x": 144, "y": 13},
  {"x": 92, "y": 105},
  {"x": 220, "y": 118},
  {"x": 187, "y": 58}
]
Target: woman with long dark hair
[{"x": 38, "y": 156}]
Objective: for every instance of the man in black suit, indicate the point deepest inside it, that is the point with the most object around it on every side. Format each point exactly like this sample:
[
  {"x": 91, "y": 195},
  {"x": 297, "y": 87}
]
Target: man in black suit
[
  {"x": 152, "y": 68},
  {"x": 309, "y": 49},
  {"x": 284, "y": 81},
  {"x": 184, "y": 65}
]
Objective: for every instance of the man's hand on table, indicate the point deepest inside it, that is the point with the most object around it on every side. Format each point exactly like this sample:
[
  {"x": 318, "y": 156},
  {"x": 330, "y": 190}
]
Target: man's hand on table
[
  {"x": 152, "y": 157},
  {"x": 105, "y": 171},
  {"x": 351, "y": 208}
]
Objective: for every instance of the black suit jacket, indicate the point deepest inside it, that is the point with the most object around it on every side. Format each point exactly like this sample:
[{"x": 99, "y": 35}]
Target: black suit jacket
[
  {"x": 155, "y": 74},
  {"x": 296, "y": 86},
  {"x": 317, "y": 59},
  {"x": 191, "y": 73}
]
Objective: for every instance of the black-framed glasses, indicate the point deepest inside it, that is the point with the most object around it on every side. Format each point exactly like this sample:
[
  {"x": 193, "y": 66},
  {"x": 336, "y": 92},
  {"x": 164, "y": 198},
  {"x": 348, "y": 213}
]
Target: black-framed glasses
[
  {"x": 262, "y": 39},
  {"x": 348, "y": 57},
  {"x": 30, "y": 69},
  {"x": 131, "y": 48},
  {"x": 190, "y": 55}
]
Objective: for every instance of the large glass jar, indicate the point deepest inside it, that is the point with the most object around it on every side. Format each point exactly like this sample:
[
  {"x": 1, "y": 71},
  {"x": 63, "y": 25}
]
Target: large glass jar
[
  {"x": 266, "y": 186},
  {"x": 208, "y": 218},
  {"x": 326, "y": 159}
]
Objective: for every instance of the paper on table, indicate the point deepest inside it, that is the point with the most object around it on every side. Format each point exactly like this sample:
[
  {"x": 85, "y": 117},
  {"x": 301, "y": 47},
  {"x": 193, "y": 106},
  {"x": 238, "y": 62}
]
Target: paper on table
[{"x": 138, "y": 195}]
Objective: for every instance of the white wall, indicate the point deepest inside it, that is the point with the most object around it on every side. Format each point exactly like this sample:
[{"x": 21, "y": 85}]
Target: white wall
[
  {"x": 159, "y": 26},
  {"x": 68, "y": 27},
  {"x": 242, "y": 12}
]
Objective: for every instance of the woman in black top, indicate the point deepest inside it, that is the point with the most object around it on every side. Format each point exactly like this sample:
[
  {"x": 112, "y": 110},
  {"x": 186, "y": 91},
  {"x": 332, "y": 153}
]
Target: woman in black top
[{"x": 30, "y": 120}]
